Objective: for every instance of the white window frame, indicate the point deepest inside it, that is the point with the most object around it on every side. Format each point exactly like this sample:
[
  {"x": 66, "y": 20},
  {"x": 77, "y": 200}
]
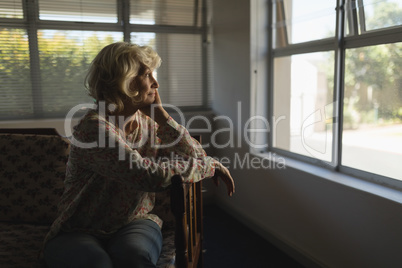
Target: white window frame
[{"x": 262, "y": 47}]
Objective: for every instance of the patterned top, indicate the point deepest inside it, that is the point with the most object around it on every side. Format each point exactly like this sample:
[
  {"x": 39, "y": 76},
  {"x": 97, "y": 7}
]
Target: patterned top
[{"x": 111, "y": 179}]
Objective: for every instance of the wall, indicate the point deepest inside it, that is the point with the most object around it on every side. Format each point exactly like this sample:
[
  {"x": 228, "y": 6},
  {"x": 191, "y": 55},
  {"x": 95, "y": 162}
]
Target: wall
[{"x": 319, "y": 217}]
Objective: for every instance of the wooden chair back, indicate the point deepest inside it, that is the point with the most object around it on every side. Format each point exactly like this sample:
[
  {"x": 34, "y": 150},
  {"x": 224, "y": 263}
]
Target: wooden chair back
[{"x": 186, "y": 204}]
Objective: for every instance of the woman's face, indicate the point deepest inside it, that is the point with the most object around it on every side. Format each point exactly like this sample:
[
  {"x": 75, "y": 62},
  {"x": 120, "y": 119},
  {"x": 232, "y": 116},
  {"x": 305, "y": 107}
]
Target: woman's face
[{"x": 146, "y": 84}]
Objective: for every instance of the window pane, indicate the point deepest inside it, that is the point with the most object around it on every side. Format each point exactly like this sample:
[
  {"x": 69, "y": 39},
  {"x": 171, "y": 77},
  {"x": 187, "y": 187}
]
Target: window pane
[
  {"x": 303, "y": 104},
  {"x": 372, "y": 136},
  {"x": 64, "y": 59},
  {"x": 180, "y": 75},
  {"x": 15, "y": 87},
  {"x": 11, "y": 9},
  {"x": 78, "y": 10},
  {"x": 382, "y": 13},
  {"x": 301, "y": 21},
  {"x": 160, "y": 12}
]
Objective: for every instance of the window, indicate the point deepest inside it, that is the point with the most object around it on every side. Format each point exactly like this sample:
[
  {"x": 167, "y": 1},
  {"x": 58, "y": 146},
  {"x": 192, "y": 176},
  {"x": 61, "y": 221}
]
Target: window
[
  {"x": 47, "y": 46},
  {"x": 335, "y": 84}
]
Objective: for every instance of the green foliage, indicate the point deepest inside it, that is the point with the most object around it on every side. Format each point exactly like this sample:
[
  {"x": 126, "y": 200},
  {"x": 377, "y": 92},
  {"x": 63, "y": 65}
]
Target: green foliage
[
  {"x": 373, "y": 74},
  {"x": 386, "y": 15},
  {"x": 64, "y": 57},
  {"x": 15, "y": 86}
]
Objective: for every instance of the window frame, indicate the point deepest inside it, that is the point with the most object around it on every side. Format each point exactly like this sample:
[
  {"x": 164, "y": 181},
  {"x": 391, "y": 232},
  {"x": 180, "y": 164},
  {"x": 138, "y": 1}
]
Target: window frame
[
  {"x": 339, "y": 43},
  {"x": 31, "y": 23}
]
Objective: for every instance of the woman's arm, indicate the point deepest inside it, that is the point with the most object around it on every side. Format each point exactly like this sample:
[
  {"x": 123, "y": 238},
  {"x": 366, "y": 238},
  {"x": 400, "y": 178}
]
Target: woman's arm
[
  {"x": 175, "y": 138},
  {"x": 118, "y": 161}
]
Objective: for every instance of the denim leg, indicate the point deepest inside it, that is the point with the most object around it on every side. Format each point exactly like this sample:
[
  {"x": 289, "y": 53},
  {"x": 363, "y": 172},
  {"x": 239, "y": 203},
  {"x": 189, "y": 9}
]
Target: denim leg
[
  {"x": 138, "y": 244},
  {"x": 76, "y": 250}
]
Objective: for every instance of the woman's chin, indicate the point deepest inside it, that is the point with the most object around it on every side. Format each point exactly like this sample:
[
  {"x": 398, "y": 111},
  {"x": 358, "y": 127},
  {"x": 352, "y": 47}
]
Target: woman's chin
[
  {"x": 145, "y": 103},
  {"x": 150, "y": 99}
]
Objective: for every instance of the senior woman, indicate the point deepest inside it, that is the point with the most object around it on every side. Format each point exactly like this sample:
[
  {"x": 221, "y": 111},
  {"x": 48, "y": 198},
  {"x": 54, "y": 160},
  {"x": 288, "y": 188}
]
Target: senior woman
[{"x": 113, "y": 170}]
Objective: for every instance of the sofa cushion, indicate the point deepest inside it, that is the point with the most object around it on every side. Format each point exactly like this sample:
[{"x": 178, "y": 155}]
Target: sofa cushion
[
  {"x": 168, "y": 253},
  {"x": 20, "y": 244},
  {"x": 32, "y": 170}
]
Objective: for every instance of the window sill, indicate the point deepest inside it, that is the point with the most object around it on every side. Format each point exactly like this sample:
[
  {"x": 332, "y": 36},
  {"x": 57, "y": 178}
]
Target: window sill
[{"x": 362, "y": 185}]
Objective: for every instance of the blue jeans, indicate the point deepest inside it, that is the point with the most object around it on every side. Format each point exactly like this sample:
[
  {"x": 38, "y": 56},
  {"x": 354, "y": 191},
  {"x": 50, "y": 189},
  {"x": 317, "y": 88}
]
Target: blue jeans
[{"x": 136, "y": 245}]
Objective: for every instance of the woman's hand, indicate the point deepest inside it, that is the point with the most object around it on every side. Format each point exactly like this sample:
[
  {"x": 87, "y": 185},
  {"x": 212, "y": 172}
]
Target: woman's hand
[
  {"x": 156, "y": 110},
  {"x": 223, "y": 173}
]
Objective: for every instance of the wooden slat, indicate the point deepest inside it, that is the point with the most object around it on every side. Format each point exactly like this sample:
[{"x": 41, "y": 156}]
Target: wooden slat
[
  {"x": 178, "y": 206},
  {"x": 187, "y": 207},
  {"x": 190, "y": 225},
  {"x": 197, "y": 248},
  {"x": 195, "y": 215}
]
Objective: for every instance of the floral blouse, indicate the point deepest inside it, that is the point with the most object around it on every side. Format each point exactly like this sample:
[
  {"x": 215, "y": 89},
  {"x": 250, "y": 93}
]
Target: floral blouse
[{"x": 111, "y": 179}]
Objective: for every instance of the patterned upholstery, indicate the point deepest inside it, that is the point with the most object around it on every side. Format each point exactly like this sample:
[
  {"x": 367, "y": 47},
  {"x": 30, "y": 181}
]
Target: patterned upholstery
[
  {"x": 167, "y": 257},
  {"x": 32, "y": 169},
  {"x": 20, "y": 244}
]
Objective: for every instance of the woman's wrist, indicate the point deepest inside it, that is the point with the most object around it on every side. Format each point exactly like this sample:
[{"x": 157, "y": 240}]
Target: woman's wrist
[
  {"x": 218, "y": 166},
  {"x": 161, "y": 117}
]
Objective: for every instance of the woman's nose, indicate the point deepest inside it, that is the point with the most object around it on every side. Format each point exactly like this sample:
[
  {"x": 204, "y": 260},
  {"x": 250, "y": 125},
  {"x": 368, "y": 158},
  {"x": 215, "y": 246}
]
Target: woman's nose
[{"x": 155, "y": 83}]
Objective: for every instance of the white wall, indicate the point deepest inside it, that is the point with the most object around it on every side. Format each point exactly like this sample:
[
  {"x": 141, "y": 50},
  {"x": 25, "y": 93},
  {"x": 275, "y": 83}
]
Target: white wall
[{"x": 319, "y": 221}]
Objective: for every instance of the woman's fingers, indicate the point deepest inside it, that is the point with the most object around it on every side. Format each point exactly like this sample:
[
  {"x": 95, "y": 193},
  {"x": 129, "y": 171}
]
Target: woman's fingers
[
  {"x": 157, "y": 97},
  {"x": 224, "y": 174},
  {"x": 228, "y": 180}
]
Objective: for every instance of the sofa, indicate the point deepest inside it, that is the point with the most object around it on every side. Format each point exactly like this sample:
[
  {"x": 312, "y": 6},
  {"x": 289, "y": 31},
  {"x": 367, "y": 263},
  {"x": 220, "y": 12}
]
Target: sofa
[{"x": 32, "y": 169}]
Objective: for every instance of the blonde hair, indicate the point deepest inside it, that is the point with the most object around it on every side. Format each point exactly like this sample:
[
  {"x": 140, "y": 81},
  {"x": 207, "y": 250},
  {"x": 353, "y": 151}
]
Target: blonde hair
[{"x": 114, "y": 68}]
